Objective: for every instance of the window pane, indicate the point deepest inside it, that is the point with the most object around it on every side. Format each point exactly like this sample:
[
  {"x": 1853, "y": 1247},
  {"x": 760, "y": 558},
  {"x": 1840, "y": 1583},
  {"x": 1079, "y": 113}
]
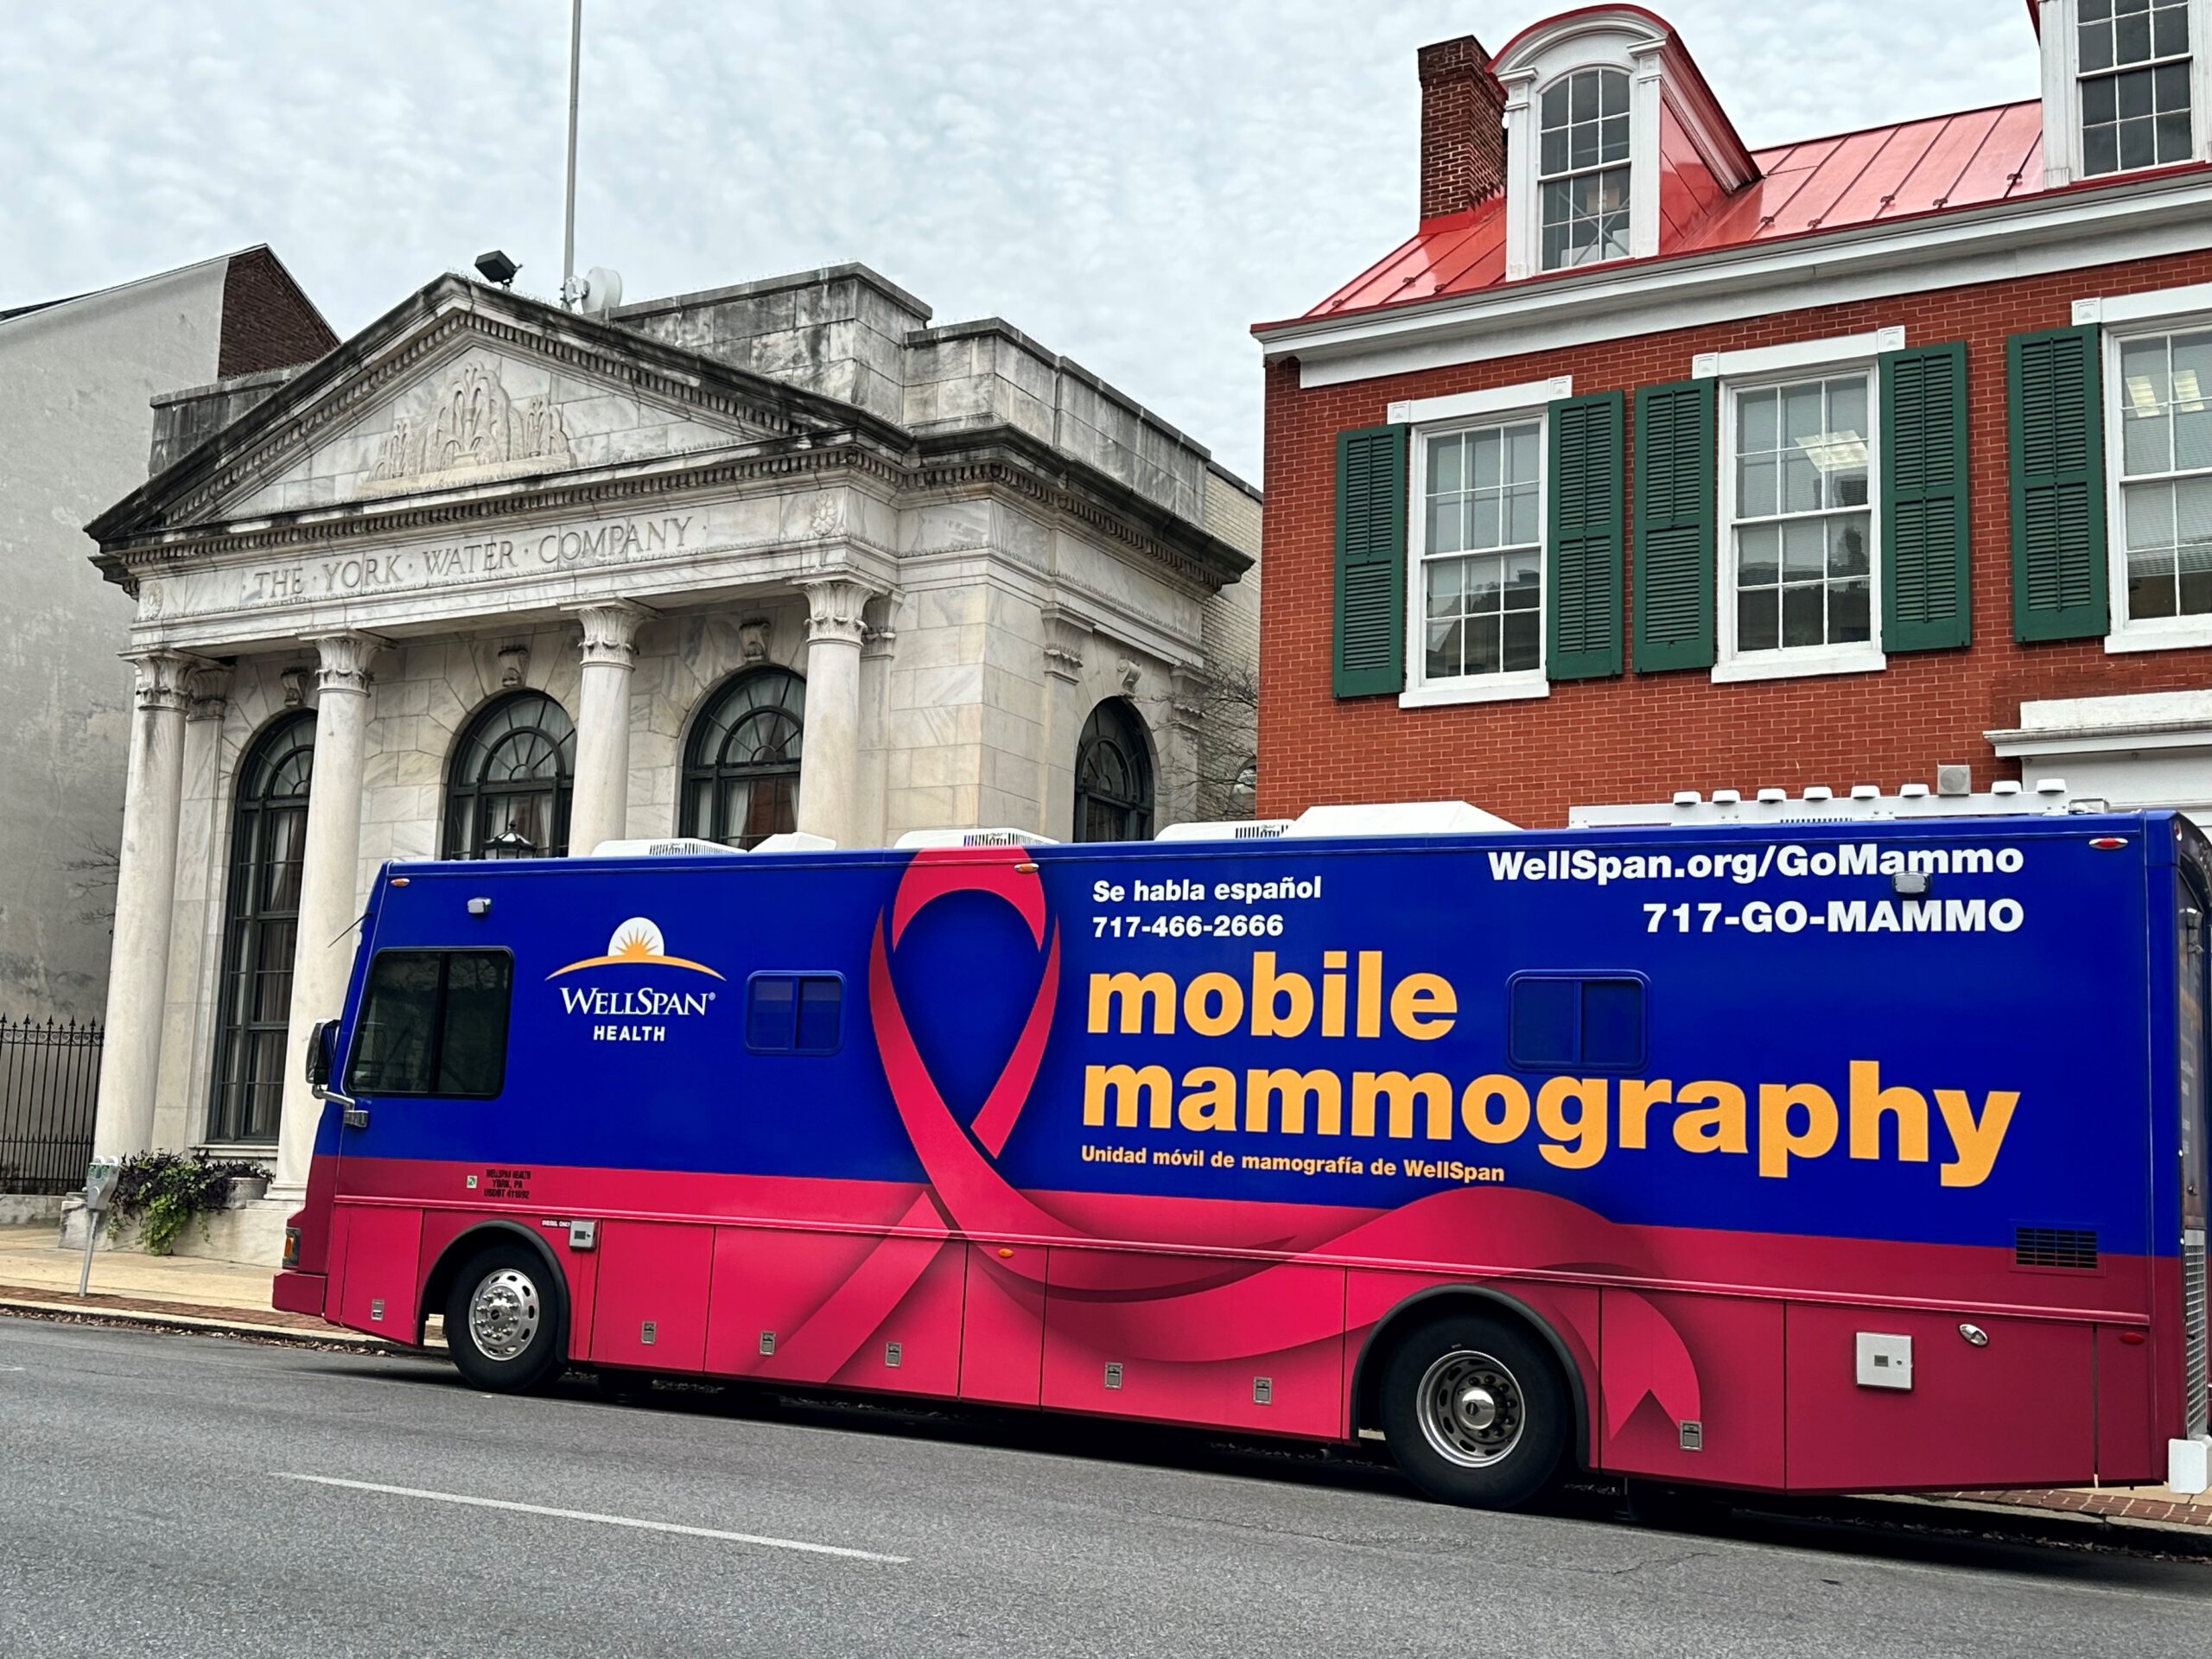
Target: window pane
[
  {"x": 1803, "y": 622},
  {"x": 1583, "y": 92},
  {"x": 1612, "y": 1022},
  {"x": 2193, "y": 512},
  {"x": 1847, "y": 553},
  {"x": 2096, "y": 48},
  {"x": 2138, "y": 144},
  {"x": 2146, "y": 444},
  {"x": 1758, "y": 555},
  {"x": 1801, "y": 414},
  {"x": 1489, "y": 456},
  {"x": 770, "y": 1014},
  {"x": 1804, "y": 550},
  {"x": 2150, "y": 585},
  {"x": 1520, "y": 518},
  {"x": 392, "y": 1047},
  {"x": 1442, "y": 577},
  {"x": 1613, "y": 236},
  {"x": 1555, "y": 104},
  {"x": 2131, "y": 38},
  {"x": 2173, "y": 137},
  {"x": 1441, "y": 650},
  {"x": 1553, "y": 158},
  {"x": 2149, "y": 510},
  {"x": 1521, "y": 442},
  {"x": 1755, "y": 418},
  {"x": 1758, "y": 619},
  {"x": 2170, "y": 31},
  {"x": 1447, "y": 524},
  {"x": 1614, "y": 93},
  {"x": 1482, "y": 513},
  {"x": 1582, "y": 145},
  {"x": 1483, "y": 580},
  {"x": 1545, "y": 1016},
  {"x": 1482, "y": 645},
  {"x": 1613, "y": 147},
  {"x": 1801, "y": 482},
  {"x": 821, "y": 1005},
  {"x": 1446, "y": 466},
  {"x": 1757, "y": 487},
  {"x": 473, "y": 1059},
  {"x": 1523, "y": 584},
  {"x": 1521, "y": 650},
  {"x": 2100, "y": 149},
  {"x": 2098, "y": 9},
  {"x": 1850, "y": 618}
]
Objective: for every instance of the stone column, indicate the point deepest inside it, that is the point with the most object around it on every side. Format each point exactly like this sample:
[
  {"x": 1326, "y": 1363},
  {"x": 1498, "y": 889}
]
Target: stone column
[
  {"x": 830, "y": 777},
  {"x": 145, "y": 890},
  {"x": 1067, "y": 636},
  {"x": 330, "y": 878},
  {"x": 182, "y": 1093},
  {"x": 600, "y": 809}
]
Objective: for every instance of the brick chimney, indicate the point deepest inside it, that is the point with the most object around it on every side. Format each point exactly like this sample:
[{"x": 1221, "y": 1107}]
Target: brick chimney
[{"x": 1462, "y": 127}]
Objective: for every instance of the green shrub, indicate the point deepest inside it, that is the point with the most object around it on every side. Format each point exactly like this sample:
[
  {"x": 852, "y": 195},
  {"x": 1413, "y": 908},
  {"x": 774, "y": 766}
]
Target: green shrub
[{"x": 165, "y": 1191}]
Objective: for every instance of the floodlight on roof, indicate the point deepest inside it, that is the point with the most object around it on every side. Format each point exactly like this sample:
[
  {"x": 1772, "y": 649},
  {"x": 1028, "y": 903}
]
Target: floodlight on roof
[{"x": 496, "y": 267}]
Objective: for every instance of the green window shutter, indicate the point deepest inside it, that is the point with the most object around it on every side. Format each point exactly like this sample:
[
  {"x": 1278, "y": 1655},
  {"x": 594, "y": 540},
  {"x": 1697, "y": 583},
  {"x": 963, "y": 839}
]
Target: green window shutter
[
  {"x": 1582, "y": 587},
  {"x": 1371, "y": 654},
  {"x": 1677, "y": 504},
  {"x": 2058, "y": 481},
  {"x": 1926, "y": 602}
]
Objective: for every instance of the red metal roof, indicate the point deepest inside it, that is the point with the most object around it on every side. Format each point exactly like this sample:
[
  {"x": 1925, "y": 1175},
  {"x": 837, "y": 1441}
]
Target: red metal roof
[{"x": 1965, "y": 160}]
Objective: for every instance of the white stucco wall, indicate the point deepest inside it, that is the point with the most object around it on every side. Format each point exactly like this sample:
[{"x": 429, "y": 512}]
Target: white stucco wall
[{"x": 75, "y": 381}]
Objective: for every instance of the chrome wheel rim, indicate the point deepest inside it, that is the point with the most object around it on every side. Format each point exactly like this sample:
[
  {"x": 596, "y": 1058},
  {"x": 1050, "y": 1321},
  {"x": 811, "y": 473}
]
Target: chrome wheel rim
[
  {"x": 1472, "y": 1409},
  {"x": 503, "y": 1314}
]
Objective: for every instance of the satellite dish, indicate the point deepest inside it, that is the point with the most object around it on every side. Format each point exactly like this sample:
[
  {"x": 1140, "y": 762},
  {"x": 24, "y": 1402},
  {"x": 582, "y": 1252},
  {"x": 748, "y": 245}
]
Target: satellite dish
[{"x": 602, "y": 291}]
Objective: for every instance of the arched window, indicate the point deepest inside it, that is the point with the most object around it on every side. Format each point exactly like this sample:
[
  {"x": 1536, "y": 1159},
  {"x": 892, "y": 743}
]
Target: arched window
[
  {"x": 741, "y": 762},
  {"x": 1113, "y": 776},
  {"x": 1582, "y": 168},
  {"x": 261, "y": 915},
  {"x": 507, "y": 796}
]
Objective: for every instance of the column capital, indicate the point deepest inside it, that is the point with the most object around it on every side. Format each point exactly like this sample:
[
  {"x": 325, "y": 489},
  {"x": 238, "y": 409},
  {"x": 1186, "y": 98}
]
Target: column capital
[
  {"x": 610, "y": 628},
  {"x": 164, "y": 677},
  {"x": 836, "y": 609},
  {"x": 209, "y": 686},
  {"x": 344, "y": 657},
  {"x": 1066, "y": 633}
]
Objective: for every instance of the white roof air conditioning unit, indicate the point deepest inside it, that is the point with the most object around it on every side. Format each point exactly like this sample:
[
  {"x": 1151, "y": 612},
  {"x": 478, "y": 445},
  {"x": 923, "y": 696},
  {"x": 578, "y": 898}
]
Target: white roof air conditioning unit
[
  {"x": 1398, "y": 818},
  {"x": 662, "y": 847},
  {"x": 971, "y": 836},
  {"x": 1228, "y": 829}
]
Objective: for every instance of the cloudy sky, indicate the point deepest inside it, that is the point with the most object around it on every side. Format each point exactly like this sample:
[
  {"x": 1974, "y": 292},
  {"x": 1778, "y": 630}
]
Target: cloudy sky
[{"x": 1134, "y": 183}]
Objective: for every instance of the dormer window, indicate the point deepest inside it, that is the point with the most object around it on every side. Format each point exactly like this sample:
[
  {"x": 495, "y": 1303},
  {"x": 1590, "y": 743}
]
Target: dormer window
[
  {"x": 1583, "y": 172},
  {"x": 2134, "y": 74}
]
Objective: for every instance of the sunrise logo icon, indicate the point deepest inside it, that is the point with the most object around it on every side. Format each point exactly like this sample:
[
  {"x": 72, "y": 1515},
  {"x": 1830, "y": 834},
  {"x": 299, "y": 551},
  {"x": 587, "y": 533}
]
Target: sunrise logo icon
[{"x": 637, "y": 943}]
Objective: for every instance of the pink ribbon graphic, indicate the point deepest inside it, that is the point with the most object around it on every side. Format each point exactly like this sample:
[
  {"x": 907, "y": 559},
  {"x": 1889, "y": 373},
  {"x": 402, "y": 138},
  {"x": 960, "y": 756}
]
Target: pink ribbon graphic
[{"x": 1164, "y": 1305}]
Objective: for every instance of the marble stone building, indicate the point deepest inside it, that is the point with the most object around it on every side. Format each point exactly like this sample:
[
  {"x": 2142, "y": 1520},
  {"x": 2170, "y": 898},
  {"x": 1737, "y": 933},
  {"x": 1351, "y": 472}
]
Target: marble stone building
[{"x": 494, "y": 577}]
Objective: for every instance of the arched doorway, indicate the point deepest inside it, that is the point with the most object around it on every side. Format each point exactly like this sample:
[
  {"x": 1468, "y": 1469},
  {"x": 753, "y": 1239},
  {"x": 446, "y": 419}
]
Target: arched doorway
[
  {"x": 741, "y": 760},
  {"x": 507, "y": 791},
  {"x": 1113, "y": 776},
  {"x": 261, "y": 913}
]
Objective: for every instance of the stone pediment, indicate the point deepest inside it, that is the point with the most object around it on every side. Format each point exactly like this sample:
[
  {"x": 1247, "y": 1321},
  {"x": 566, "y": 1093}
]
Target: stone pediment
[{"x": 479, "y": 415}]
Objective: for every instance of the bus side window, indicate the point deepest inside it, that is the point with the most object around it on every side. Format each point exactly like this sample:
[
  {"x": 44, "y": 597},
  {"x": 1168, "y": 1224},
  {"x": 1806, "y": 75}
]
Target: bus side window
[
  {"x": 1561, "y": 1021},
  {"x": 434, "y": 1023},
  {"x": 794, "y": 1014}
]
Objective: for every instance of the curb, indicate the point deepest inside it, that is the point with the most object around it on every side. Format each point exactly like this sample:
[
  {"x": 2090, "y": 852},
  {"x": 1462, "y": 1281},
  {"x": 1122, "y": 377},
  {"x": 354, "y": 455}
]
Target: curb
[{"x": 328, "y": 1337}]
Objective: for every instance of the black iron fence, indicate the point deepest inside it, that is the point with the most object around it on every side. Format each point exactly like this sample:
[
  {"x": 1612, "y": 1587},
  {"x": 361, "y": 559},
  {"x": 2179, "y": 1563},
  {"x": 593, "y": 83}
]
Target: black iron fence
[{"x": 50, "y": 1078}]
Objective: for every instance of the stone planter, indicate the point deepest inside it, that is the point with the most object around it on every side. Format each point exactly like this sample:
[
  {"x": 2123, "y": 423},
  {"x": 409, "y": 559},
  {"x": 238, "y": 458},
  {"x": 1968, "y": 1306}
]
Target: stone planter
[{"x": 243, "y": 1190}]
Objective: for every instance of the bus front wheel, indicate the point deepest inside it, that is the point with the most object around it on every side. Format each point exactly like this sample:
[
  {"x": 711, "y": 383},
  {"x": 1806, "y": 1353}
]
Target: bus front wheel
[
  {"x": 1474, "y": 1412},
  {"x": 504, "y": 1319}
]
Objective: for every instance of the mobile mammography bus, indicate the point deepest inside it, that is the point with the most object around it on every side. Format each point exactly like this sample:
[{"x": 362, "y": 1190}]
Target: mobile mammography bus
[{"x": 1840, "y": 1148}]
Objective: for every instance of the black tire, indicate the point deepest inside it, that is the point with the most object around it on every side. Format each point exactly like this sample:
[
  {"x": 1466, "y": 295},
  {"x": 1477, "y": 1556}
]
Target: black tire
[
  {"x": 1492, "y": 1453},
  {"x": 521, "y": 1341}
]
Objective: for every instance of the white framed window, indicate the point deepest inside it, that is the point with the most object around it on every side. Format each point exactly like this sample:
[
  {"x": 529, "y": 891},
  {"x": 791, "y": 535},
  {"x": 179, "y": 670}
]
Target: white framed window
[
  {"x": 1475, "y": 546},
  {"x": 1583, "y": 168},
  {"x": 2133, "y": 60},
  {"x": 2158, "y": 484},
  {"x": 2126, "y": 84},
  {"x": 1800, "y": 583}
]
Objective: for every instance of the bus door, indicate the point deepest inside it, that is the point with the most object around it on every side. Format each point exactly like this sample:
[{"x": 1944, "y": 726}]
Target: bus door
[
  {"x": 2195, "y": 993},
  {"x": 430, "y": 1038}
]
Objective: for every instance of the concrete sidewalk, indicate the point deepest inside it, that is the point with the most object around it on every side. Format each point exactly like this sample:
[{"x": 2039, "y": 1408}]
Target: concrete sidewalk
[{"x": 196, "y": 1292}]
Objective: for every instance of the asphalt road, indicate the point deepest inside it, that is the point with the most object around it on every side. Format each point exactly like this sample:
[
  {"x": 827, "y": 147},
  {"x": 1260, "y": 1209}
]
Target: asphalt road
[{"x": 179, "y": 1496}]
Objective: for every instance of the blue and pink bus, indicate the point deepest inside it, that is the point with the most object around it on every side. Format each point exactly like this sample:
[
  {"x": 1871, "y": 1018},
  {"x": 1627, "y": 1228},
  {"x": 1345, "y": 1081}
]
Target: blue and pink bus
[{"x": 1853, "y": 1153}]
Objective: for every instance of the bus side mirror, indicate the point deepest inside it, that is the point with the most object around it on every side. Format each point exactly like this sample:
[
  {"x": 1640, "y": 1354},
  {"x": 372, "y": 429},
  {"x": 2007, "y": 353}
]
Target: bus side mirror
[{"x": 322, "y": 1048}]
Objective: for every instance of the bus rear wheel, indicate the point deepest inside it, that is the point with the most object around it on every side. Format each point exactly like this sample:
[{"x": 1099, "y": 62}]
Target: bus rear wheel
[
  {"x": 506, "y": 1317},
  {"x": 1474, "y": 1412}
]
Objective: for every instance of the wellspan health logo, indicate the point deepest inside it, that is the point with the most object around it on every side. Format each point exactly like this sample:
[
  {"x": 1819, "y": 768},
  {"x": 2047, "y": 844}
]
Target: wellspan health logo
[{"x": 630, "y": 1013}]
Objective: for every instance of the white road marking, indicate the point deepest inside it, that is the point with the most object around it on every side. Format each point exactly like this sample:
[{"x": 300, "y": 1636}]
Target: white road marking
[{"x": 603, "y": 1520}]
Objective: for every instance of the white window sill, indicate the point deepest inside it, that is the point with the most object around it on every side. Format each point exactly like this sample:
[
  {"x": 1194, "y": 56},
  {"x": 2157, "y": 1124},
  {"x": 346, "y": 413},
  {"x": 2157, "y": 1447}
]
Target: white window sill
[
  {"x": 2168, "y": 633},
  {"x": 1489, "y": 688},
  {"x": 1802, "y": 663}
]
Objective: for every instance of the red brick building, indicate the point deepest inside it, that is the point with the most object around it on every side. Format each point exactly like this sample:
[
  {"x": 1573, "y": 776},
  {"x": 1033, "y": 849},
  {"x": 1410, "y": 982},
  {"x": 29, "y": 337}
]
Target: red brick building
[{"x": 1651, "y": 462}]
